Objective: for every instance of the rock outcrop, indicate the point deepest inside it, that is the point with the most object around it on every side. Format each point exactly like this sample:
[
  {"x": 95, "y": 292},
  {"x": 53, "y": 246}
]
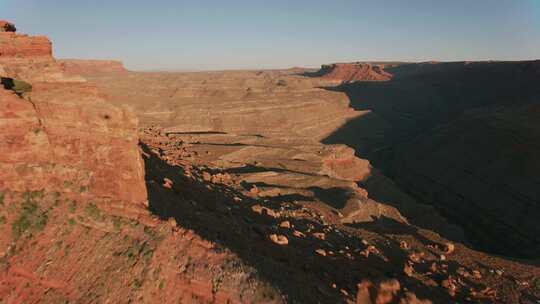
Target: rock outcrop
[
  {"x": 57, "y": 133},
  {"x": 352, "y": 72},
  {"x": 91, "y": 67},
  {"x": 24, "y": 46},
  {"x": 6, "y": 26}
]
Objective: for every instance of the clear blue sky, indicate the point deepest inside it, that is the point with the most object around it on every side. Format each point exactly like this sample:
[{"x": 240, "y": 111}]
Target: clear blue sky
[{"x": 225, "y": 34}]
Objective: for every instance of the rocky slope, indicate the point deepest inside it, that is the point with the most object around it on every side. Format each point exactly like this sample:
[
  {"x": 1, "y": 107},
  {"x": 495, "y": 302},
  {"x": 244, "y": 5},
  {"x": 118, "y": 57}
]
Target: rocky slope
[
  {"x": 296, "y": 220},
  {"x": 17, "y": 45}
]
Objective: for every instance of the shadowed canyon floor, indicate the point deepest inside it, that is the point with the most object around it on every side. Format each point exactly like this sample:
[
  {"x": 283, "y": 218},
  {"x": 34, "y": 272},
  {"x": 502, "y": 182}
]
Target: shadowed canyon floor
[{"x": 245, "y": 188}]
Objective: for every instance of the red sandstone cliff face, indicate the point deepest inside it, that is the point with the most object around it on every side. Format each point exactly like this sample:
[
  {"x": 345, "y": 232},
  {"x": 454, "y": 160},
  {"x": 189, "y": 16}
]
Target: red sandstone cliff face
[
  {"x": 62, "y": 136},
  {"x": 30, "y": 59},
  {"x": 90, "y": 67},
  {"x": 16, "y": 45},
  {"x": 351, "y": 72}
]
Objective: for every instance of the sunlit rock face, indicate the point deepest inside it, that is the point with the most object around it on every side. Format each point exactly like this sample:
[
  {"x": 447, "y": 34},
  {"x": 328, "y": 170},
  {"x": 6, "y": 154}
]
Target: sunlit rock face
[
  {"x": 58, "y": 134},
  {"x": 81, "y": 66}
]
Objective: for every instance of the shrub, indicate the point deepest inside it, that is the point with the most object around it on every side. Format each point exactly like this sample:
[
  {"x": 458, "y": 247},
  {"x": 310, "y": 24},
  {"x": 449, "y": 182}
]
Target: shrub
[
  {"x": 18, "y": 86},
  {"x": 30, "y": 220},
  {"x": 93, "y": 212}
]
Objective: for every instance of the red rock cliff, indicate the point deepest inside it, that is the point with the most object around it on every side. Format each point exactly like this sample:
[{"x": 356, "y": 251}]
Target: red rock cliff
[
  {"x": 17, "y": 45},
  {"x": 61, "y": 136},
  {"x": 351, "y": 72}
]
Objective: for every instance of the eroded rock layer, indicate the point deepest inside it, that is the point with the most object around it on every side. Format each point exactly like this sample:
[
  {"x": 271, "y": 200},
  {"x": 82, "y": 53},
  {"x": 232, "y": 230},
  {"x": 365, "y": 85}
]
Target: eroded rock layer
[
  {"x": 352, "y": 72},
  {"x": 89, "y": 67},
  {"x": 273, "y": 103},
  {"x": 59, "y": 135},
  {"x": 19, "y": 45}
]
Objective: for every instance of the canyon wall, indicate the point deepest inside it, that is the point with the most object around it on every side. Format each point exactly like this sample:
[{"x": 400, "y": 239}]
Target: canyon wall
[
  {"x": 352, "y": 72},
  {"x": 460, "y": 136},
  {"x": 59, "y": 134},
  {"x": 269, "y": 103}
]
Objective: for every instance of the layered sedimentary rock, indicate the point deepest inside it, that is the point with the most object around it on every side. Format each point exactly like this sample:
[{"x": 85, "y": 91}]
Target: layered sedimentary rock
[
  {"x": 271, "y": 118},
  {"x": 459, "y": 136},
  {"x": 391, "y": 113},
  {"x": 270, "y": 103},
  {"x": 18, "y": 45},
  {"x": 90, "y": 67},
  {"x": 29, "y": 58},
  {"x": 71, "y": 183},
  {"x": 273, "y": 167},
  {"x": 58, "y": 134},
  {"x": 351, "y": 72},
  {"x": 270, "y": 201}
]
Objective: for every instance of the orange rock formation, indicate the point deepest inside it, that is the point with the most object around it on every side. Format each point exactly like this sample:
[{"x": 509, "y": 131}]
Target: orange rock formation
[
  {"x": 351, "y": 72},
  {"x": 60, "y": 135}
]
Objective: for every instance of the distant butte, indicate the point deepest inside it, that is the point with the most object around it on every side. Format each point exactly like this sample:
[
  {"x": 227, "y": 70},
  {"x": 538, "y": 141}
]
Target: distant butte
[
  {"x": 352, "y": 72},
  {"x": 84, "y": 66}
]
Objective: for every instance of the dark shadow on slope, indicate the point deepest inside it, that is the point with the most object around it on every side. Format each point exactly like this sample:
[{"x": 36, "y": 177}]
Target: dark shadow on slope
[
  {"x": 334, "y": 197},
  {"x": 296, "y": 270},
  {"x": 422, "y": 98},
  {"x": 195, "y": 133},
  {"x": 385, "y": 225},
  {"x": 312, "y": 73},
  {"x": 247, "y": 169}
]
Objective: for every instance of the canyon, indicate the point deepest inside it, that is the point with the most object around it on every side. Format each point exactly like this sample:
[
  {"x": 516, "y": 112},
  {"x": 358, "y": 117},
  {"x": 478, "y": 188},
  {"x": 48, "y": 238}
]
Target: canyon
[{"x": 356, "y": 183}]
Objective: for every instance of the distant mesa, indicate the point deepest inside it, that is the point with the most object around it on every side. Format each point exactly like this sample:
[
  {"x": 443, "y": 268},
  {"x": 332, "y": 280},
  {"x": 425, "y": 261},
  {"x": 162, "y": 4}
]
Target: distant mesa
[
  {"x": 6, "y": 26},
  {"x": 91, "y": 67},
  {"x": 19, "y": 45},
  {"x": 353, "y": 72}
]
